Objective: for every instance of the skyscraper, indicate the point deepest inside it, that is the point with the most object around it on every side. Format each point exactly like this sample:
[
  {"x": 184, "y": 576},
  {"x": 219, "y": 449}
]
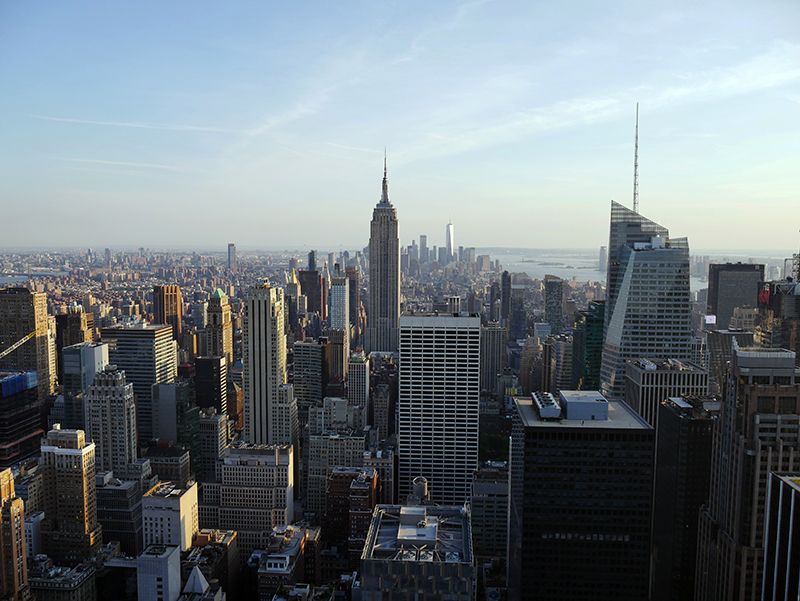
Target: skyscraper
[
  {"x": 423, "y": 249},
  {"x": 219, "y": 328},
  {"x": 505, "y": 295},
  {"x": 732, "y": 285},
  {"x": 72, "y": 533},
  {"x": 493, "y": 354},
  {"x": 168, "y": 308},
  {"x": 756, "y": 433},
  {"x": 587, "y": 347},
  {"x": 384, "y": 276},
  {"x": 23, "y": 312},
  {"x": 439, "y": 403},
  {"x": 13, "y": 561},
  {"x": 111, "y": 421},
  {"x": 264, "y": 343},
  {"x": 554, "y": 303},
  {"x": 450, "y": 244},
  {"x": 20, "y": 418},
  {"x": 146, "y": 353},
  {"x": 232, "y": 256},
  {"x": 579, "y": 528},
  {"x": 648, "y": 306}
]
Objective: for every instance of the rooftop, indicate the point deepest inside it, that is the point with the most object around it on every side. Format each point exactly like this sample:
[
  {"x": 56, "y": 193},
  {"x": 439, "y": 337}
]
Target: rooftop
[{"x": 620, "y": 416}]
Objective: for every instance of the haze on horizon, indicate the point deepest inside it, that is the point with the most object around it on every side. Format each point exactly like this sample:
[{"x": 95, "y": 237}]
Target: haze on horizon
[{"x": 197, "y": 124}]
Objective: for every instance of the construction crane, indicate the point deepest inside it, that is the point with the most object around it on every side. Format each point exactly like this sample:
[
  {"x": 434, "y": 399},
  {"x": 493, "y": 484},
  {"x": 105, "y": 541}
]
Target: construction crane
[{"x": 19, "y": 343}]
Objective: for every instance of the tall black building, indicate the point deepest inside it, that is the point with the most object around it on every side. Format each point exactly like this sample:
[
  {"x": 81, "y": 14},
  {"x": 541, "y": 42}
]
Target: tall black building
[
  {"x": 683, "y": 476},
  {"x": 587, "y": 346},
  {"x": 581, "y": 493},
  {"x": 732, "y": 285}
]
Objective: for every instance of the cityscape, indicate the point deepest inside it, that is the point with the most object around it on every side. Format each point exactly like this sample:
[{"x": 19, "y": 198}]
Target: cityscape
[{"x": 370, "y": 302}]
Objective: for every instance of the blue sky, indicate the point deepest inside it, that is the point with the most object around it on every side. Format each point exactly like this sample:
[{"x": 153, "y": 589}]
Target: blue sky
[{"x": 264, "y": 123}]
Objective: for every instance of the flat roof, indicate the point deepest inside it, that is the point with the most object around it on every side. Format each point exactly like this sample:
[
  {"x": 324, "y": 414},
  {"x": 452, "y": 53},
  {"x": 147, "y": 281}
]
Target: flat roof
[{"x": 620, "y": 416}]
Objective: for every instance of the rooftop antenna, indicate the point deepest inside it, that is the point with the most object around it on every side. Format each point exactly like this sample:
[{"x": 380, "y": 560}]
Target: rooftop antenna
[{"x": 636, "y": 165}]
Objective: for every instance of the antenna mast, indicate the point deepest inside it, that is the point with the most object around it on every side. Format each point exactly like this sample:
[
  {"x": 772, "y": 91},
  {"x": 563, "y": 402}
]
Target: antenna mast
[{"x": 636, "y": 165}]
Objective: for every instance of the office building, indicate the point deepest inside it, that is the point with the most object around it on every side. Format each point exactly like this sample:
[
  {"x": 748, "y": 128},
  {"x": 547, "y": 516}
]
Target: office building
[
  {"x": 648, "y": 383},
  {"x": 781, "y": 562},
  {"x": 489, "y": 510},
  {"x": 339, "y": 313},
  {"x": 557, "y": 363},
  {"x": 219, "y": 327},
  {"x": 732, "y": 285},
  {"x": 587, "y": 347},
  {"x": 170, "y": 462},
  {"x": 111, "y": 421},
  {"x": 358, "y": 380},
  {"x": 505, "y": 295},
  {"x": 493, "y": 354},
  {"x": 518, "y": 315},
  {"x": 554, "y": 303},
  {"x": 253, "y": 493},
  {"x": 350, "y": 498},
  {"x": 339, "y": 355},
  {"x": 13, "y": 560},
  {"x": 354, "y": 304},
  {"x": 384, "y": 276},
  {"x": 170, "y": 515},
  {"x": 213, "y": 437},
  {"x": 720, "y": 344},
  {"x": 327, "y": 450},
  {"x": 756, "y": 433},
  {"x": 49, "y": 582},
  {"x": 147, "y": 355},
  {"x": 282, "y": 562},
  {"x": 158, "y": 573},
  {"x": 71, "y": 533},
  {"x": 119, "y": 512},
  {"x": 211, "y": 383},
  {"x": 439, "y": 403},
  {"x": 23, "y": 312},
  {"x": 381, "y": 457},
  {"x": 264, "y": 358},
  {"x": 450, "y": 244},
  {"x": 168, "y": 308},
  {"x": 20, "y": 420},
  {"x": 81, "y": 362},
  {"x": 231, "y": 256},
  {"x": 779, "y": 305},
  {"x": 579, "y": 528},
  {"x": 424, "y": 550},
  {"x": 683, "y": 476},
  {"x": 312, "y": 366},
  {"x": 648, "y": 307},
  {"x": 175, "y": 418}
]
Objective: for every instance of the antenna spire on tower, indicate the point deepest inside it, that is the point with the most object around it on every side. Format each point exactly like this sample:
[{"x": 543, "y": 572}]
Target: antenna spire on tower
[{"x": 636, "y": 165}]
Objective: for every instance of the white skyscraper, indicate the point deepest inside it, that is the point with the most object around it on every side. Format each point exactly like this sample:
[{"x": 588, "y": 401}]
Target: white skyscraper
[
  {"x": 384, "y": 276},
  {"x": 439, "y": 403},
  {"x": 339, "y": 311},
  {"x": 450, "y": 241},
  {"x": 111, "y": 421},
  {"x": 264, "y": 359}
]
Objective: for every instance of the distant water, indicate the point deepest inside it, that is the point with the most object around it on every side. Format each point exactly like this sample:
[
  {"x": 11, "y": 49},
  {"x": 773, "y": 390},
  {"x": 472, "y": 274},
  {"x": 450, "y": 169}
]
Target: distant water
[{"x": 13, "y": 279}]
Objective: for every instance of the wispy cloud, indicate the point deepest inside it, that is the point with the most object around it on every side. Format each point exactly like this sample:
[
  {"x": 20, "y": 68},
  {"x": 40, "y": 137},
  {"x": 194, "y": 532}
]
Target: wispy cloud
[
  {"x": 139, "y": 125},
  {"x": 119, "y": 163}
]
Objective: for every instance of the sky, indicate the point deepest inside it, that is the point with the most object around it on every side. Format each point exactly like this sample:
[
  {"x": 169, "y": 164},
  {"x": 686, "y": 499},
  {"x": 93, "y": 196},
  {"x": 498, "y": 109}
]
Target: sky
[{"x": 264, "y": 123}]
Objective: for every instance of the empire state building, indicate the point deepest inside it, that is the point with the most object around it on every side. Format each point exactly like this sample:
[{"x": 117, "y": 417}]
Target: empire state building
[{"x": 384, "y": 276}]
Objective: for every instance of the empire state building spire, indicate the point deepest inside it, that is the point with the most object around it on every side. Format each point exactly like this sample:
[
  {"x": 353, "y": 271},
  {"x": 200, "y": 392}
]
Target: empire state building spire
[{"x": 383, "y": 316}]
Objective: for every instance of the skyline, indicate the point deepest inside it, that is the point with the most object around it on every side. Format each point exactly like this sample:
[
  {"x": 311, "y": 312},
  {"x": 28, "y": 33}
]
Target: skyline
[{"x": 233, "y": 123}]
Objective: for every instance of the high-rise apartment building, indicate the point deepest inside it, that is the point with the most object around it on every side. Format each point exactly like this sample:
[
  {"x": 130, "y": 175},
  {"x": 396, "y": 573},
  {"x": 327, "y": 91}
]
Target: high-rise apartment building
[
  {"x": 72, "y": 533},
  {"x": 23, "y": 312},
  {"x": 439, "y": 403},
  {"x": 384, "y": 276},
  {"x": 648, "y": 307},
  {"x": 758, "y": 432},
  {"x": 168, "y": 308},
  {"x": 219, "y": 327},
  {"x": 147, "y": 355},
  {"x": 111, "y": 421},
  {"x": 264, "y": 358},
  {"x": 648, "y": 383},
  {"x": 732, "y": 285},
  {"x": 13, "y": 560},
  {"x": 579, "y": 528},
  {"x": 231, "y": 256},
  {"x": 554, "y": 303}
]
